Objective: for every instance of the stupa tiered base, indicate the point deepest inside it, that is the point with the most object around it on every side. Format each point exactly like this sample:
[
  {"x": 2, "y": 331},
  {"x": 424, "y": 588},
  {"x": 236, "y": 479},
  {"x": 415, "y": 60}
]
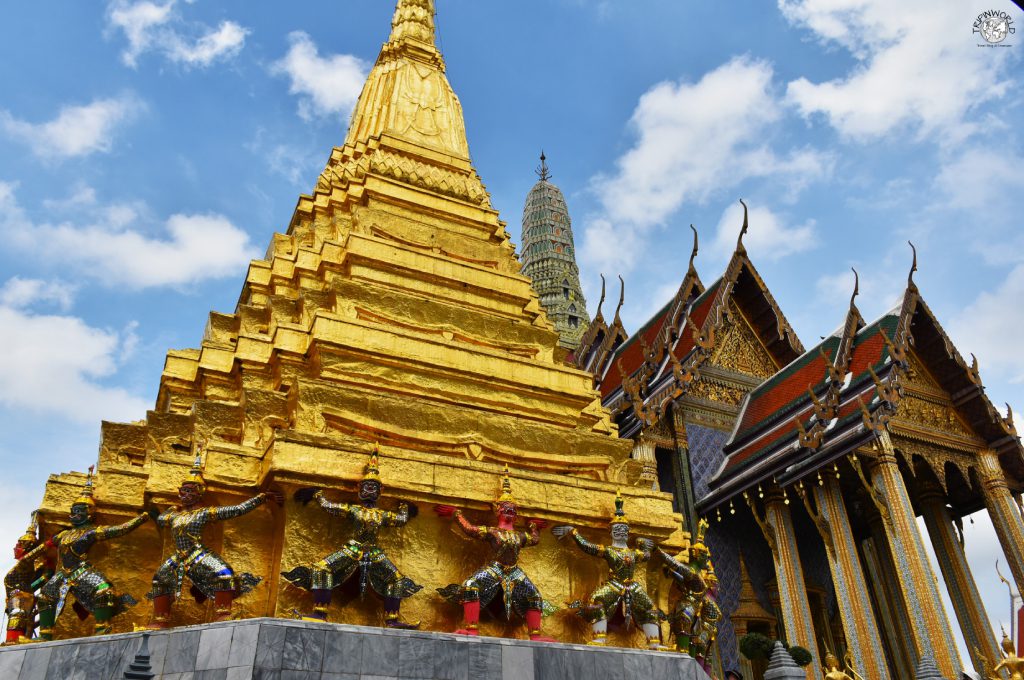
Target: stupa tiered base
[{"x": 282, "y": 648}]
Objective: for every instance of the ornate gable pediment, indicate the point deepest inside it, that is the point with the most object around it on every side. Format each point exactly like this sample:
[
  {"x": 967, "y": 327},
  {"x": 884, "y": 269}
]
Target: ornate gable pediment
[
  {"x": 739, "y": 348},
  {"x": 927, "y": 410}
]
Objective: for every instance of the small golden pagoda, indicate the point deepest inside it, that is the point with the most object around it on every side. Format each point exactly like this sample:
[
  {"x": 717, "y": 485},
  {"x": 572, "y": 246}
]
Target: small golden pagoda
[{"x": 392, "y": 311}]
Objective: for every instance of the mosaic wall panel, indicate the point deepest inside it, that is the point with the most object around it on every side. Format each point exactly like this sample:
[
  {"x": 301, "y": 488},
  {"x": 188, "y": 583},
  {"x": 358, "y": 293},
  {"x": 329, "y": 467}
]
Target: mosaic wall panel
[{"x": 706, "y": 455}]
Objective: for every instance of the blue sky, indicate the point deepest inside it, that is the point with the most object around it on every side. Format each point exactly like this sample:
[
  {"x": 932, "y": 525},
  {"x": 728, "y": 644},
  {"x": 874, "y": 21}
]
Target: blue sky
[{"x": 149, "y": 149}]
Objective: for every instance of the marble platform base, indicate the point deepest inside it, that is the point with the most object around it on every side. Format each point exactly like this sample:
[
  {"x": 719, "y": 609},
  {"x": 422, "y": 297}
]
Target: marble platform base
[{"x": 281, "y": 649}]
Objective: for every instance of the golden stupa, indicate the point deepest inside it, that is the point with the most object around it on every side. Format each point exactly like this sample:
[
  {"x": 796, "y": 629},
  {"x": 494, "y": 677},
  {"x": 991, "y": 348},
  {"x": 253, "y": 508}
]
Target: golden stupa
[{"x": 392, "y": 310}]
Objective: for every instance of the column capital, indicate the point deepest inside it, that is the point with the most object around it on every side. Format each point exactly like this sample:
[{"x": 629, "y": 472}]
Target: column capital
[{"x": 990, "y": 470}]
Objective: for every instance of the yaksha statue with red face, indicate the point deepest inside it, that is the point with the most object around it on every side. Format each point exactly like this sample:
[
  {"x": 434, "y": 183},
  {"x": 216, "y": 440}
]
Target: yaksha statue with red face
[
  {"x": 74, "y": 575},
  {"x": 362, "y": 553},
  {"x": 503, "y": 575},
  {"x": 30, "y": 571},
  {"x": 621, "y": 590},
  {"x": 211, "y": 577}
]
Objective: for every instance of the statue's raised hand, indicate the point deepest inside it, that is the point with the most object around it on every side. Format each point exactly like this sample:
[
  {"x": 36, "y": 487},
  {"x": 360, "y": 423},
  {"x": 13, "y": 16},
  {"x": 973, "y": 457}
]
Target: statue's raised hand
[
  {"x": 412, "y": 509},
  {"x": 645, "y": 544},
  {"x": 562, "y": 531},
  {"x": 444, "y": 510}
]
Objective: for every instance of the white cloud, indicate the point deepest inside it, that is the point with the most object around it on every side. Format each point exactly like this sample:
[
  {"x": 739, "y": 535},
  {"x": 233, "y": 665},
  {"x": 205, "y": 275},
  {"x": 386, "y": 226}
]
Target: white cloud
[
  {"x": 56, "y": 364},
  {"x": 111, "y": 250},
  {"x": 77, "y": 130},
  {"x": 326, "y": 86},
  {"x": 918, "y": 66},
  {"x": 19, "y": 293},
  {"x": 991, "y": 328},
  {"x": 770, "y": 236},
  {"x": 151, "y": 26},
  {"x": 693, "y": 140}
]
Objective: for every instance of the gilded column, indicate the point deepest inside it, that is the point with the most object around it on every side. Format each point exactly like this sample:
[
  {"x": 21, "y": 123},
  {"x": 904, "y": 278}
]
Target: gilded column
[
  {"x": 862, "y": 637},
  {"x": 643, "y": 451},
  {"x": 929, "y": 623},
  {"x": 789, "y": 573},
  {"x": 1004, "y": 513},
  {"x": 687, "y": 502},
  {"x": 963, "y": 591}
]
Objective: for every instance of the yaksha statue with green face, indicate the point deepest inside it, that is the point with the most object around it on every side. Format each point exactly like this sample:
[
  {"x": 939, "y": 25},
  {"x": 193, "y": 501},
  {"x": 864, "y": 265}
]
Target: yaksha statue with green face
[
  {"x": 74, "y": 575},
  {"x": 30, "y": 571},
  {"x": 362, "y": 554},
  {"x": 211, "y": 577},
  {"x": 621, "y": 592},
  {"x": 502, "y": 574},
  {"x": 688, "y": 570}
]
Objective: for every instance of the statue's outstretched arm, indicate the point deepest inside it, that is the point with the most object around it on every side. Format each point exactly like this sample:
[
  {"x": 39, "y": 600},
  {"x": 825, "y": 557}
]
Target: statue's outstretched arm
[
  {"x": 339, "y": 509},
  {"x": 595, "y": 549},
  {"x": 232, "y": 511},
  {"x": 397, "y": 519},
  {"x": 468, "y": 527},
  {"x": 118, "y": 530},
  {"x": 644, "y": 546}
]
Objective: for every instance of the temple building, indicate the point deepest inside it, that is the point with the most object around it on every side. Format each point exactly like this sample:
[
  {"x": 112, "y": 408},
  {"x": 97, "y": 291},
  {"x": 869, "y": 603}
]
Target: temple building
[
  {"x": 814, "y": 464},
  {"x": 549, "y": 259},
  {"x": 393, "y": 312}
]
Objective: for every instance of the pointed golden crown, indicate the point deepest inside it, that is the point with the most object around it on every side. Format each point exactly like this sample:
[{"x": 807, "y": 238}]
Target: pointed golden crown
[
  {"x": 620, "y": 514},
  {"x": 372, "y": 471},
  {"x": 31, "y": 533},
  {"x": 506, "y": 488},
  {"x": 86, "y": 497},
  {"x": 195, "y": 475}
]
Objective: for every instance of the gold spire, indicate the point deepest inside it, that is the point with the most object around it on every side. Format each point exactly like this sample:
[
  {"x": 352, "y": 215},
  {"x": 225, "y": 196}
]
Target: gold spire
[
  {"x": 413, "y": 19},
  {"x": 407, "y": 94}
]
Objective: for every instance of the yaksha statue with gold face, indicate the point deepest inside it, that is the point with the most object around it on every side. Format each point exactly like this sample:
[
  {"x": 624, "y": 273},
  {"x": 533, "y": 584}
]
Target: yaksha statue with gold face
[
  {"x": 503, "y": 574},
  {"x": 362, "y": 553},
  {"x": 30, "y": 571},
  {"x": 621, "y": 590},
  {"x": 709, "y": 617},
  {"x": 211, "y": 577},
  {"x": 74, "y": 575},
  {"x": 686, "y": 570}
]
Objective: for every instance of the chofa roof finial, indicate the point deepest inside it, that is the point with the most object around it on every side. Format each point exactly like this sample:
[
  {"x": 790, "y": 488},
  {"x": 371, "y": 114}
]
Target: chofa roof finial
[
  {"x": 856, "y": 286},
  {"x": 622, "y": 295},
  {"x": 746, "y": 226},
  {"x": 913, "y": 267},
  {"x": 601, "y": 302},
  {"x": 693, "y": 253}
]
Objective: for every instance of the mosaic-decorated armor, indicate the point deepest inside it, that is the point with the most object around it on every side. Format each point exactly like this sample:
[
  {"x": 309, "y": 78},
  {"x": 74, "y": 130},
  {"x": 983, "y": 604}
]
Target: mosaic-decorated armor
[
  {"x": 362, "y": 553},
  {"x": 75, "y": 575},
  {"x": 503, "y": 573},
  {"x": 210, "y": 575},
  {"x": 621, "y": 590}
]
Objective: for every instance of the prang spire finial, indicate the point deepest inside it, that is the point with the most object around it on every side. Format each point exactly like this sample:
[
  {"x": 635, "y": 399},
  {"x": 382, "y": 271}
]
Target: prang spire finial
[
  {"x": 746, "y": 226},
  {"x": 913, "y": 268},
  {"x": 601, "y": 301},
  {"x": 542, "y": 171},
  {"x": 413, "y": 19},
  {"x": 696, "y": 243}
]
